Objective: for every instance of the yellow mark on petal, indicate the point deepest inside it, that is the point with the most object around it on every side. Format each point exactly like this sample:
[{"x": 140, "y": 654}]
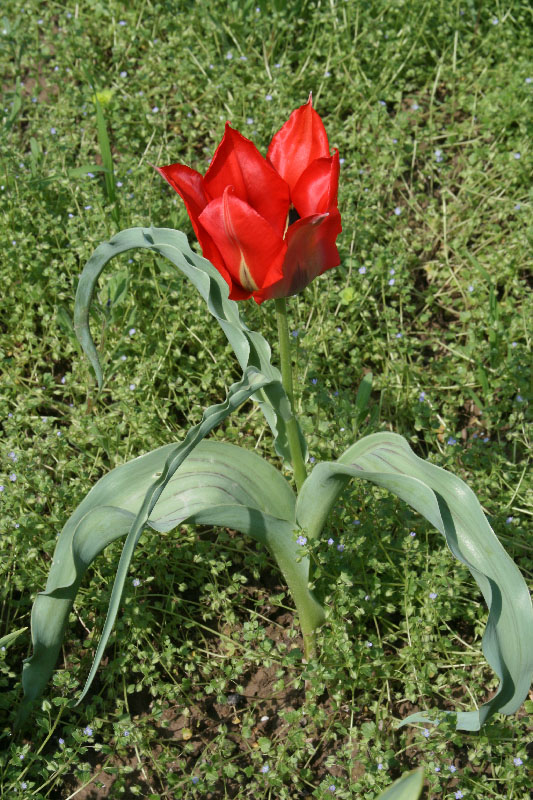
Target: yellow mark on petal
[{"x": 245, "y": 277}]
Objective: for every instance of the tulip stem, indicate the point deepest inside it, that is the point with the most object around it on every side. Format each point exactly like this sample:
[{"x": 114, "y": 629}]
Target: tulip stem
[{"x": 298, "y": 464}]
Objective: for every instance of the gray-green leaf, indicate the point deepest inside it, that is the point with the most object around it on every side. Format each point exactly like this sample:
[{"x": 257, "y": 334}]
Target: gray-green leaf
[
  {"x": 250, "y": 347},
  {"x": 447, "y": 502}
]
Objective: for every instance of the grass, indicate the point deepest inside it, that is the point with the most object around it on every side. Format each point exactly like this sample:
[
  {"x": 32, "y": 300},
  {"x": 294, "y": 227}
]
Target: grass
[{"x": 202, "y": 688}]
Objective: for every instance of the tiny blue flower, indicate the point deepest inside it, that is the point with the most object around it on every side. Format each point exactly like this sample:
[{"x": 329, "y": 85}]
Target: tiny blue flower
[
  {"x": 340, "y": 548},
  {"x": 470, "y": 288},
  {"x": 437, "y": 769},
  {"x": 243, "y": 58},
  {"x": 392, "y": 271},
  {"x": 132, "y": 387},
  {"x": 433, "y": 595},
  {"x": 123, "y": 74},
  {"x": 392, "y": 282},
  {"x": 398, "y": 335},
  {"x": 415, "y": 106},
  {"x": 362, "y": 270},
  {"x": 122, "y": 22},
  {"x": 529, "y": 80},
  {"x": 312, "y": 459},
  {"x": 452, "y": 768},
  {"x": 397, "y": 211},
  {"x": 331, "y": 541},
  {"x": 380, "y": 766},
  {"x": 341, "y": 161},
  {"x": 119, "y": 184},
  {"x": 87, "y": 208},
  {"x": 126, "y": 733},
  {"x": 70, "y": 215},
  {"x": 123, "y": 358},
  {"x": 23, "y": 785},
  {"x": 519, "y": 398},
  {"x": 422, "y": 397},
  {"x": 314, "y": 381},
  {"x": 517, "y": 156},
  {"x": 459, "y": 794},
  {"x": 88, "y": 731},
  {"x": 395, "y": 141},
  {"x": 53, "y": 131},
  {"x": 249, "y": 121},
  {"x": 369, "y": 644},
  {"x": 136, "y": 582},
  {"x": 356, "y": 522},
  {"x": 132, "y": 331},
  {"x": 21, "y": 756},
  {"x": 517, "y": 207},
  {"x": 327, "y": 74},
  {"x": 438, "y": 155},
  {"x": 486, "y": 439},
  {"x": 12, "y": 477},
  {"x": 382, "y": 102},
  {"x": 509, "y": 520},
  {"x": 494, "y": 21},
  {"x": 425, "y": 732},
  {"x": 452, "y": 440},
  {"x": 195, "y": 779},
  {"x": 268, "y": 98},
  {"x": 155, "y": 109},
  {"x": 265, "y": 768},
  {"x": 332, "y": 788},
  {"x": 229, "y": 56},
  {"x": 517, "y": 761},
  {"x": 301, "y": 540},
  {"x": 12, "y": 455},
  {"x": 412, "y": 533}
]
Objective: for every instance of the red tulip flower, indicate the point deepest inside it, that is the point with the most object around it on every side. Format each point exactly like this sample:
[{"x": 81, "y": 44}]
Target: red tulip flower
[{"x": 268, "y": 225}]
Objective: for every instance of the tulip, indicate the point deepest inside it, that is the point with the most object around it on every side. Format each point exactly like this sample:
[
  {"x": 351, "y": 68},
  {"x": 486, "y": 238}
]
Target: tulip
[{"x": 268, "y": 225}]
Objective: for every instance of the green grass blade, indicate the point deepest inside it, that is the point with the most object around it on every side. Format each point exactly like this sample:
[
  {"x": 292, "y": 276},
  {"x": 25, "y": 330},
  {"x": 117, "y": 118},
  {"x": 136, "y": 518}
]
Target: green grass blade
[
  {"x": 10, "y": 637},
  {"x": 408, "y": 787},
  {"x": 250, "y": 347},
  {"x": 107, "y": 158},
  {"x": 447, "y": 502}
]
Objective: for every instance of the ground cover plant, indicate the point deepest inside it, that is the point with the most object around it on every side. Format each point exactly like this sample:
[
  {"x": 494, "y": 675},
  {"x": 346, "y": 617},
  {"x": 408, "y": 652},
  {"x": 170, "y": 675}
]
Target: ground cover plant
[{"x": 428, "y": 108}]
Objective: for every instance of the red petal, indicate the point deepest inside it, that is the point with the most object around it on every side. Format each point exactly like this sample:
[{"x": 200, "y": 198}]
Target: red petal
[
  {"x": 253, "y": 252},
  {"x": 300, "y": 141},
  {"x": 316, "y": 190},
  {"x": 237, "y": 162},
  {"x": 189, "y": 184},
  {"x": 311, "y": 251}
]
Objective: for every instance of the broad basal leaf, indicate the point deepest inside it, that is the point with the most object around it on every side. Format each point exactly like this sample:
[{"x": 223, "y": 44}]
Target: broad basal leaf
[
  {"x": 408, "y": 787},
  {"x": 191, "y": 482},
  {"x": 446, "y": 501}
]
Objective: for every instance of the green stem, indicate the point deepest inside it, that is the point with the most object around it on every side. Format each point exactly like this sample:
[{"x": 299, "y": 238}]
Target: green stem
[{"x": 297, "y": 458}]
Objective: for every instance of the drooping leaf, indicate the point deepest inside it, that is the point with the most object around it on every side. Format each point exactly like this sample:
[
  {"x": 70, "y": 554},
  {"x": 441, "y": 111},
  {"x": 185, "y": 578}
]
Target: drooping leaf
[
  {"x": 250, "y": 347},
  {"x": 192, "y": 482},
  {"x": 447, "y": 502},
  {"x": 408, "y": 787}
]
